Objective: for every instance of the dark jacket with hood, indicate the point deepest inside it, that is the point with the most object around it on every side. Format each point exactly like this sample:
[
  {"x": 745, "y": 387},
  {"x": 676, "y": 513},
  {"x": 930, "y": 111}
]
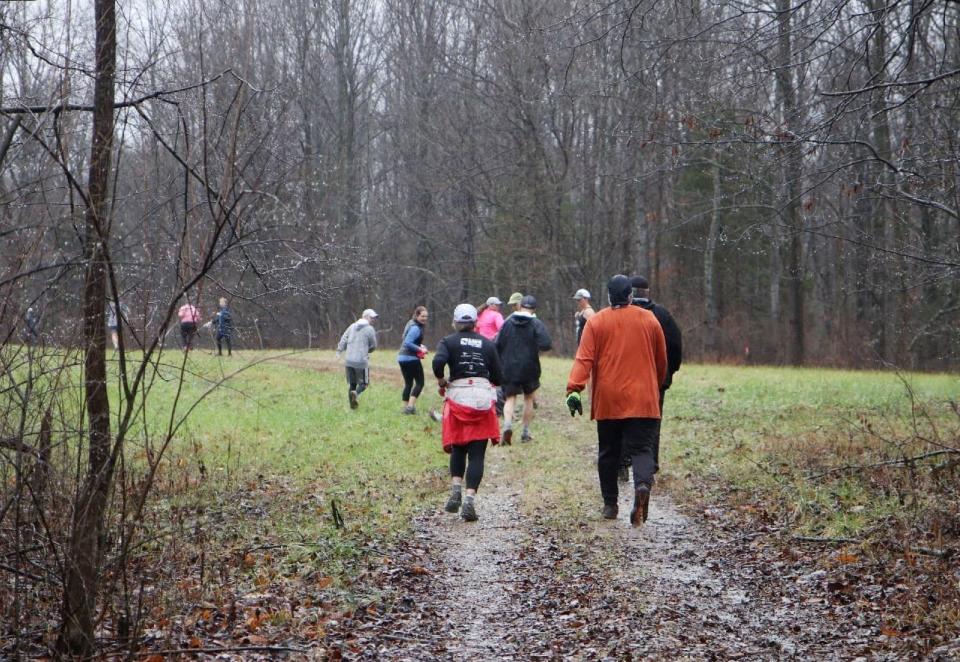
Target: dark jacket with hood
[
  {"x": 520, "y": 341},
  {"x": 671, "y": 332}
]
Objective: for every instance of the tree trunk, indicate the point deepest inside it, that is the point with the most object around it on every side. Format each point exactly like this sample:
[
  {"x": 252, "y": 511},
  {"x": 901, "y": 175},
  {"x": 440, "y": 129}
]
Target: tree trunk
[
  {"x": 890, "y": 269},
  {"x": 711, "y": 306},
  {"x": 85, "y": 551},
  {"x": 792, "y": 173}
]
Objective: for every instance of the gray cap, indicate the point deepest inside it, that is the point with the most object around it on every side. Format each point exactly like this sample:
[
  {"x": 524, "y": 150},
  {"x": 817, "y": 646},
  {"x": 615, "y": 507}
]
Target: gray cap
[
  {"x": 464, "y": 312},
  {"x": 494, "y": 301},
  {"x": 582, "y": 294}
]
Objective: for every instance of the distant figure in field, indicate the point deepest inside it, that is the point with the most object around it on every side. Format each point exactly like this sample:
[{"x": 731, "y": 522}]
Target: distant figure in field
[
  {"x": 519, "y": 343},
  {"x": 412, "y": 350},
  {"x": 114, "y": 320},
  {"x": 624, "y": 355},
  {"x": 223, "y": 319},
  {"x": 358, "y": 341},
  {"x": 30, "y": 334},
  {"x": 584, "y": 311},
  {"x": 674, "y": 339},
  {"x": 469, "y": 417},
  {"x": 490, "y": 319},
  {"x": 189, "y": 321}
]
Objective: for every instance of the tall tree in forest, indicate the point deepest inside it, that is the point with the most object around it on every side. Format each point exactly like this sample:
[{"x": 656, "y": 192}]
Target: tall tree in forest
[
  {"x": 791, "y": 173},
  {"x": 83, "y": 558}
]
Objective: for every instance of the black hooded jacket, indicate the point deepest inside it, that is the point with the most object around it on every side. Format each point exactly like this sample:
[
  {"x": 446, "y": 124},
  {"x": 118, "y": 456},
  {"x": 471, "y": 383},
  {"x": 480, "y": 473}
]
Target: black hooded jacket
[
  {"x": 671, "y": 332},
  {"x": 520, "y": 341}
]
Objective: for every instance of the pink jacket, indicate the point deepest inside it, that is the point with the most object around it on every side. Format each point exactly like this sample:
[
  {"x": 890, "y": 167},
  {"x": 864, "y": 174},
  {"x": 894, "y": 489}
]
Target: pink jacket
[
  {"x": 489, "y": 323},
  {"x": 189, "y": 313}
]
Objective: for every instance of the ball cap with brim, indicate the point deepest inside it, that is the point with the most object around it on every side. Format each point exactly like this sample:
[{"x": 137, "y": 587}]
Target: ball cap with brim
[
  {"x": 619, "y": 289},
  {"x": 640, "y": 283},
  {"x": 529, "y": 301},
  {"x": 515, "y": 298},
  {"x": 582, "y": 294},
  {"x": 464, "y": 312},
  {"x": 370, "y": 313},
  {"x": 494, "y": 301}
]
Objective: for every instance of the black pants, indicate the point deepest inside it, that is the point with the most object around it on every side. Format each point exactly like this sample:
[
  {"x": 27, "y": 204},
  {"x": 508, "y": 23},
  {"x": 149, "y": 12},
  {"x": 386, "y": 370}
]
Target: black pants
[
  {"x": 187, "y": 331},
  {"x": 412, "y": 379},
  {"x": 475, "y": 451},
  {"x": 625, "y": 458},
  {"x": 358, "y": 378},
  {"x": 224, "y": 339},
  {"x": 636, "y": 437}
]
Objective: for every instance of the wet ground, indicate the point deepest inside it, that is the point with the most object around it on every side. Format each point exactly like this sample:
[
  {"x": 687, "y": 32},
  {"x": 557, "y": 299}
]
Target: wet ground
[{"x": 510, "y": 587}]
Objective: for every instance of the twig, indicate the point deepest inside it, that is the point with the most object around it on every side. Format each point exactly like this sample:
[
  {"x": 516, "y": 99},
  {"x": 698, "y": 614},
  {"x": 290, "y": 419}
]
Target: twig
[
  {"x": 411, "y": 640},
  {"x": 22, "y": 573},
  {"x": 886, "y": 463},
  {"x": 945, "y": 553},
  {"x": 836, "y": 541},
  {"x": 228, "y": 649}
]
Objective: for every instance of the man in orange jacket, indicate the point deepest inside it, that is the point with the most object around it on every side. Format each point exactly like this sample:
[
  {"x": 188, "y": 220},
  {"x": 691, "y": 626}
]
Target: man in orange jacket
[{"x": 624, "y": 354}]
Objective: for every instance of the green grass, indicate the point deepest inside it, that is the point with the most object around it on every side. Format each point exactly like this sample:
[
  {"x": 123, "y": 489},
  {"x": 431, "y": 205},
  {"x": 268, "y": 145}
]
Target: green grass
[
  {"x": 772, "y": 433},
  {"x": 263, "y": 457},
  {"x": 759, "y": 431}
]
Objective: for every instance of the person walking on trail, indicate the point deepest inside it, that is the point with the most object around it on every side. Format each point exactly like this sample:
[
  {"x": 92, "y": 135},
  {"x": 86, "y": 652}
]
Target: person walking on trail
[
  {"x": 624, "y": 355},
  {"x": 114, "y": 320},
  {"x": 412, "y": 349},
  {"x": 584, "y": 311},
  {"x": 469, "y": 417},
  {"x": 489, "y": 323},
  {"x": 514, "y": 301},
  {"x": 674, "y": 339},
  {"x": 189, "y": 321},
  {"x": 223, "y": 319},
  {"x": 490, "y": 319},
  {"x": 519, "y": 343},
  {"x": 358, "y": 341}
]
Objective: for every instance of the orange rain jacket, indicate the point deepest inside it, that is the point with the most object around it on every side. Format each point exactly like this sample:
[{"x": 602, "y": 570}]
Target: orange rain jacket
[{"x": 624, "y": 354}]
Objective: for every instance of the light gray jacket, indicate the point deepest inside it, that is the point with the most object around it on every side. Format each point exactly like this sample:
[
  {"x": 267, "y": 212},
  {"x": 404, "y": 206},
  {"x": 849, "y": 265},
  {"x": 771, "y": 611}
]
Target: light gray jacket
[{"x": 358, "y": 341}]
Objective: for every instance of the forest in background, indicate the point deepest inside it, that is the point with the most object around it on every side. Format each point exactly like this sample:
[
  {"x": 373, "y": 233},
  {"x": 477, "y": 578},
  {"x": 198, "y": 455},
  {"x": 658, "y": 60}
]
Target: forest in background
[{"x": 786, "y": 174}]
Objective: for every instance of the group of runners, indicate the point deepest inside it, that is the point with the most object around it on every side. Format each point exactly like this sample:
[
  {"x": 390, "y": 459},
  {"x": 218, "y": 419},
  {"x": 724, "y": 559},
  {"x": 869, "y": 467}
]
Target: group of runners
[{"x": 628, "y": 351}]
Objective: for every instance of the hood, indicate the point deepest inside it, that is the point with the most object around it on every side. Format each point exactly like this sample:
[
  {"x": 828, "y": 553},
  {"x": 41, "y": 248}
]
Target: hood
[
  {"x": 362, "y": 322},
  {"x": 521, "y": 317}
]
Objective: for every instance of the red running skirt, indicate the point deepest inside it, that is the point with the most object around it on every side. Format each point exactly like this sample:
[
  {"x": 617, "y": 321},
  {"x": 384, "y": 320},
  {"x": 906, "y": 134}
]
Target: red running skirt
[{"x": 462, "y": 424}]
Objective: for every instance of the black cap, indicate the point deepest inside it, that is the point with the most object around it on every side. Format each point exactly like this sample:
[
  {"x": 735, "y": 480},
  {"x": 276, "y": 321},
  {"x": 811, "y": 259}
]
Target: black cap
[
  {"x": 640, "y": 283},
  {"x": 528, "y": 301},
  {"x": 619, "y": 290}
]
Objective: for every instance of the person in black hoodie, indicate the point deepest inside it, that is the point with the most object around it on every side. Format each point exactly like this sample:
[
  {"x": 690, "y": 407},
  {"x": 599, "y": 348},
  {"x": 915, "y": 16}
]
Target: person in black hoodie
[
  {"x": 671, "y": 332},
  {"x": 520, "y": 341}
]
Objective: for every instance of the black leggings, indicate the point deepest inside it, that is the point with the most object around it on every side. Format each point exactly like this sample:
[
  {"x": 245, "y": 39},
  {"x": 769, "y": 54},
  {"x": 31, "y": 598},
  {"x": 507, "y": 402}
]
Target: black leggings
[
  {"x": 412, "y": 379},
  {"x": 475, "y": 450}
]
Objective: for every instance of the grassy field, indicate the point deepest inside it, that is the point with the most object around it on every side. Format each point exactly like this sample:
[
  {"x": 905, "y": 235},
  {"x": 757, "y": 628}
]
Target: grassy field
[
  {"x": 760, "y": 436},
  {"x": 274, "y": 488}
]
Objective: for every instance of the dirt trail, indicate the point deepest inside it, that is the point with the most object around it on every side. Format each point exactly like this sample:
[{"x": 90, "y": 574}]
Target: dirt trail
[
  {"x": 686, "y": 585},
  {"x": 510, "y": 587}
]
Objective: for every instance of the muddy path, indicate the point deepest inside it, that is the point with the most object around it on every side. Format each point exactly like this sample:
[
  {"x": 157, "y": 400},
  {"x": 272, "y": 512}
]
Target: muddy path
[
  {"x": 522, "y": 583},
  {"x": 683, "y": 586}
]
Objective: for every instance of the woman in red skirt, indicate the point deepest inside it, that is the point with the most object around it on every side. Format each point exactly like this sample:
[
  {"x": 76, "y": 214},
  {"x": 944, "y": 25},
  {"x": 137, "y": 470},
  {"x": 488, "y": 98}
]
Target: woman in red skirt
[{"x": 469, "y": 412}]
